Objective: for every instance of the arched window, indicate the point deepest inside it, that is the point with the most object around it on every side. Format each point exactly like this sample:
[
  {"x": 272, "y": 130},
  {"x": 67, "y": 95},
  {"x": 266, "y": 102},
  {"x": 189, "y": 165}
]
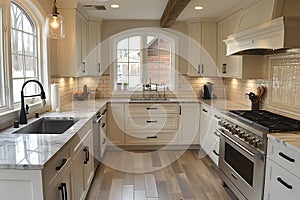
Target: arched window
[
  {"x": 143, "y": 56},
  {"x": 24, "y": 50}
]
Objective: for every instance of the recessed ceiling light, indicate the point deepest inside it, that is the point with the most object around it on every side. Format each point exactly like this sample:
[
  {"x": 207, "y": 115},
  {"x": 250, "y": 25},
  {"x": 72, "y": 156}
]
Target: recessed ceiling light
[
  {"x": 114, "y": 5},
  {"x": 198, "y": 7}
]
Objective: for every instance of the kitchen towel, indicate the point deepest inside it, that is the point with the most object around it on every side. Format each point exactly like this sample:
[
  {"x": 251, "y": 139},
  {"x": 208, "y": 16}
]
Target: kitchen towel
[{"x": 55, "y": 100}]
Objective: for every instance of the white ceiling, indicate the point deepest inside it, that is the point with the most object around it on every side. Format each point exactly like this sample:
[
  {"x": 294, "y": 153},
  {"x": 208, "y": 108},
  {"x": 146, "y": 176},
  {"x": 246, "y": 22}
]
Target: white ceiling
[{"x": 153, "y": 9}]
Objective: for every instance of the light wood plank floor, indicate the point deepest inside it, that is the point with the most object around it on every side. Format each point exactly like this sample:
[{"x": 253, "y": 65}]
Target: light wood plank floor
[{"x": 188, "y": 178}]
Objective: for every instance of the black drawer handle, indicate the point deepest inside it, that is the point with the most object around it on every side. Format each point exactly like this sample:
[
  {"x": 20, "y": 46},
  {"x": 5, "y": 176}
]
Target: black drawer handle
[
  {"x": 284, "y": 183},
  {"x": 151, "y": 121},
  {"x": 215, "y": 153},
  {"x": 63, "y": 162},
  {"x": 104, "y": 141},
  {"x": 287, "y": 157},
  {"x": 151, "y": 137},
  {"x": 204, "y": 110},
  {"x": 87, "y": 155},
  {"x": 103, "y": 125},
  {"x": 63, "y": 191},
  {"x": 151, "y": 108}
]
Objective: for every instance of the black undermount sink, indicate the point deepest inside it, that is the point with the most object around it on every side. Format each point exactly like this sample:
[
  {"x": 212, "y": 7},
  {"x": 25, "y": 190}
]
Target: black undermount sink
[{"x": 47, "y": 125}]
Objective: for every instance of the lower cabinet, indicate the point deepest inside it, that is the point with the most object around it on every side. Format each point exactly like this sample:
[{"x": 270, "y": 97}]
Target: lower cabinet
[
  {"x": 66, "y": 176},
  {"x": 115, "y": 124},
  {"x": 189, "y": 118},
  {"x": 282, "y": 179}
]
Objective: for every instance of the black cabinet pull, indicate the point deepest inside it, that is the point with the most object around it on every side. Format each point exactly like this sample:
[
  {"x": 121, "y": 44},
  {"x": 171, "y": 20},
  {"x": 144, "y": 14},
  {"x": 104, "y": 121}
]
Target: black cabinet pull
[
  {"x": 151, "y": 121},
  {"x": 104, "y": 140},
  {"x": 151, "y": 108},
  {"x": 103, "y": 125},
  {"x": 99, "y": 67},
  {"x": 199, "y": 69},
  {"x": 202, "y": 71},
  {"x": 179, "y": 109},
  {"x": 215, "y": 153},
  {"x": 151, "y": 137},
  {"x": 83, "y": 69},
  {"x": 284, "y": 183},
  {"x": 87, "y": 155},
  {"x": 204, "y": 110},
  {"x": 286, "y": 157},
  {"x": 61, "y": 189},
  {"x": 63, "y": 162}
]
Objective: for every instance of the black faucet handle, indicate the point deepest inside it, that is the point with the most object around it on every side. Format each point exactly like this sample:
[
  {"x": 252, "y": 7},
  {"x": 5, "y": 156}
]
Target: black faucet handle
[{"x": 27, "y": 108}]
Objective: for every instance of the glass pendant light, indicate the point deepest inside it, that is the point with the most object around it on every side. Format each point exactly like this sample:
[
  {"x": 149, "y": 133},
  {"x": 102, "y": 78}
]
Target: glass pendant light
[{"x": 55, "y": 27}]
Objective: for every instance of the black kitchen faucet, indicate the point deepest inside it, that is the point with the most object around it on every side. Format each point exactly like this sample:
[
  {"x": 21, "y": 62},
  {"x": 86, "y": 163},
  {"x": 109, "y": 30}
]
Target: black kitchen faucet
[{"x": 23, "y": 112}]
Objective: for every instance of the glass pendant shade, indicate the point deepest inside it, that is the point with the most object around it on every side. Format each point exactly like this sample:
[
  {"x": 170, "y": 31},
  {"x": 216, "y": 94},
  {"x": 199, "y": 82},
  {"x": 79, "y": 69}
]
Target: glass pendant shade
[{"x": 55, "y": 27}]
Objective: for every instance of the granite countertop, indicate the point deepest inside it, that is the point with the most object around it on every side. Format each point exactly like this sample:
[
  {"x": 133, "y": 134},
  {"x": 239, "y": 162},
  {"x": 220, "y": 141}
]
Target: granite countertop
[{"x": 32, "y": 151}]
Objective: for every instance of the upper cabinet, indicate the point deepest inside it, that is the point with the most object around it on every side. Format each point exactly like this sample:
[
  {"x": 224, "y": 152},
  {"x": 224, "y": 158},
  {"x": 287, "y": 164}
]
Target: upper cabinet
[
  {"x": 242, "y": 67},
  {"x": 78, "y": 54},
  {"x": 202, "y": 49}
]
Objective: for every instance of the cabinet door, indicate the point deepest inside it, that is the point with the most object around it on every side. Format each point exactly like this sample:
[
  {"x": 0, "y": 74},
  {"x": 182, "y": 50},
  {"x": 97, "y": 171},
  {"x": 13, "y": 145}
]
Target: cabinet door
[
  {"x": 88, "y": 167},
  {"x": 77, "y": 170},
  {"x": 205, "y": 121},
  {"x": 189, "y": 129},
  {"x": 222, "y": 59},
  {"x": 195, "y": 48},
  {"x": 209, "y": 51},
  {"x": 62, "y": 188},
  {"x": 279, "y": 183},
  {"x": 115, "y": 123}
]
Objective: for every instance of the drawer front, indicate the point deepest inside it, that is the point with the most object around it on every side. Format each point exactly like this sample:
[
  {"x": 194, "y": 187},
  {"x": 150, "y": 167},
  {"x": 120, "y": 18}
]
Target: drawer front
[
  {"x": 280, "y": 184},
  {"x": 56, "y": 165},
  {"x": 284, "y": 156},
  {"x": 156, "y": 122},
  {"x": 214, "y": 153},
  {"x": 154, "y": 138},
  {"x": 145, "y": 108}
]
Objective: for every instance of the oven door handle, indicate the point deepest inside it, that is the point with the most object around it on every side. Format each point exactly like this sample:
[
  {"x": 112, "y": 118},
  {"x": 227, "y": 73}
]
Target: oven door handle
[{"x": 240, "y": 146}]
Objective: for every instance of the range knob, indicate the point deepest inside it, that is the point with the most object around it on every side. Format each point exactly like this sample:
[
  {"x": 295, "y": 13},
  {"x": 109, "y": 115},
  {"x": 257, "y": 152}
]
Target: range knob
[
  {"x": 246, "y": 137},
  {"x": 235, "y": 130},
  {"x": 252, "y": 140},
  {"x": 257, "y": 143},
  {"x": 241, "y": 133}
]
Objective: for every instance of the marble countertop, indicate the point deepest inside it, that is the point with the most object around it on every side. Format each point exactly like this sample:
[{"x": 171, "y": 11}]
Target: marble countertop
[
  {"x": 32, "y": 151},
  {"x": 291, "y": 140}
]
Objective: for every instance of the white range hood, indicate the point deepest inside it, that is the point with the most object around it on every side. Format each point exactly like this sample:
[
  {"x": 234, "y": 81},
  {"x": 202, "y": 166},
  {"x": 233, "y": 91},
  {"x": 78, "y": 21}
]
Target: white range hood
[{"x": 275, "y": 36}]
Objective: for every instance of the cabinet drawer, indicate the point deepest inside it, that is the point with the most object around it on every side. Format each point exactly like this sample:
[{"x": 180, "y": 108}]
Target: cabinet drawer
[
  {"x": 56, "y": 166},
  {"x": 145, "y": 108},
  {"x": 157, "y": 122},
  {"x": 280, "y": 184},
  {"x": 154, "y": 138},
  {"x": 214, "y": 153},
  {"x": 284, "y": 156}
]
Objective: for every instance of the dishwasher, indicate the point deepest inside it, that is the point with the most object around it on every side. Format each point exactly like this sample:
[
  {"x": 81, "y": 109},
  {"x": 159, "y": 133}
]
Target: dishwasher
[{"x": 99, "y": 135}]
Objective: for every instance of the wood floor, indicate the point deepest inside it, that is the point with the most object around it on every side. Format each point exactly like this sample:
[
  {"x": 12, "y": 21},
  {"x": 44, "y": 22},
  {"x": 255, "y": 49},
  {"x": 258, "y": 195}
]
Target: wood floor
[{"x": 188, "y": 178}]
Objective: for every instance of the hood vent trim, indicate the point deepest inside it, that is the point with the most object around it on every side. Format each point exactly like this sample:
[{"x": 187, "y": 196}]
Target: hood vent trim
[{"x": 273, "y": 37}]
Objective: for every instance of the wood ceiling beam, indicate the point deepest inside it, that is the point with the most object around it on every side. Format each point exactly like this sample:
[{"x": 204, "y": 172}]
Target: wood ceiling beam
[{"x": 172, "y": 11}]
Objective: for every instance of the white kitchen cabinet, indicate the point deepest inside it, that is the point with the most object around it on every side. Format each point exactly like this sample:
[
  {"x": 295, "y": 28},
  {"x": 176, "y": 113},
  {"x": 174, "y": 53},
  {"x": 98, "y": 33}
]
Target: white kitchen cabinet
[
  {"x": 202, "y": 49},
  {"x": 209, "y": 137},
  {"x": 93, "y": 59},
  {"x": 282, "y": 180},
  {"x": 115, "y": 124},
  {"x": 151, "y": 123},
  {"x": 71, "y": 51},
  {"x": 242, "y": 67},
  {"x": 189, "y": 118}
]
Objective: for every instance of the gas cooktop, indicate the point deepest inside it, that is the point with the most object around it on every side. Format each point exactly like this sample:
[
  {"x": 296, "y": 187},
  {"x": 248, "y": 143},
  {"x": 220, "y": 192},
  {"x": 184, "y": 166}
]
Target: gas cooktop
[{"x": 266, "y": 120}]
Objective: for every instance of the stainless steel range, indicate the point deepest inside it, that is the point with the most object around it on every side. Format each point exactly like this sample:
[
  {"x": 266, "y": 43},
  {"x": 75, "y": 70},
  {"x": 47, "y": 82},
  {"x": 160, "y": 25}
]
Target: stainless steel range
[{"x": 243, "y": 148}]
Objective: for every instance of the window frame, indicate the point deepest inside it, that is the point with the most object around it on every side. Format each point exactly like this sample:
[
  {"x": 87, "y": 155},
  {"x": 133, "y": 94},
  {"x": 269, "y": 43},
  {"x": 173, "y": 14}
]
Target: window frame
[
  {"x": 144, "y": 32},
  {"x": 35, "y": 56}
]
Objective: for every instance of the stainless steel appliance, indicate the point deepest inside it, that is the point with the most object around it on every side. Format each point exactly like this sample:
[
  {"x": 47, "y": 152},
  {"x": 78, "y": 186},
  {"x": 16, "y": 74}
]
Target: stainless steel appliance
[
  {"x": 99, "y": 136},
  {"x": 243, "y": 148}
]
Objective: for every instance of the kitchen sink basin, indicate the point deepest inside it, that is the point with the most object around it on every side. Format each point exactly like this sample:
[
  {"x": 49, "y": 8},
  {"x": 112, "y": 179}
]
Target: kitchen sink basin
[{"x": 47, "y": 125}]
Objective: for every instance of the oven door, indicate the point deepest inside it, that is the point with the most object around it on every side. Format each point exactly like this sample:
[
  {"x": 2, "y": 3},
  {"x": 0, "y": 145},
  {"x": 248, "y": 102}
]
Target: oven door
[{"x": 243, "y": 166}]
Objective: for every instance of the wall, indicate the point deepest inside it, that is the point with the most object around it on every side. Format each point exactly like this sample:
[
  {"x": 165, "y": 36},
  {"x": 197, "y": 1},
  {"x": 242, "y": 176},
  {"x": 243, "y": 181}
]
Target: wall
[{"x": 283, "y": 86}]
